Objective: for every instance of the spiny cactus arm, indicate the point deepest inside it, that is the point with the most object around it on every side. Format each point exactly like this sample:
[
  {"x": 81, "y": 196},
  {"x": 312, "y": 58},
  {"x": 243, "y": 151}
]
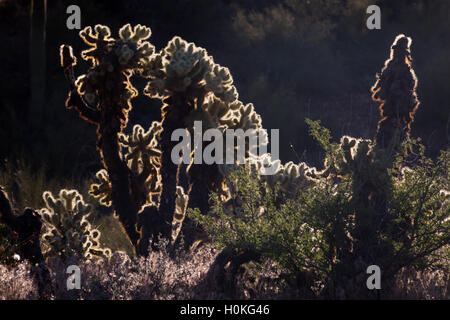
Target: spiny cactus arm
[
  {"x": 103, "y": 96},
  {"x": 74, "y": 100},
  {"x": 102, "y": 189},
  {"x": 182, "y": 67},
  {"x": 142, "y": 155},
  {"x": 143, "y": 159}
]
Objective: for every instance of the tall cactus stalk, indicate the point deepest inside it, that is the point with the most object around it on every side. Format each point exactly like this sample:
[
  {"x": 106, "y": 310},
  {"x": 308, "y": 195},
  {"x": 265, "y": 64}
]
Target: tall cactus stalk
[
  {"x": 173, "y": 113},
  {"x": 193, "y": 88},
  {"x": 395, "y": 90},
  {"x": 102, "y": 96}
]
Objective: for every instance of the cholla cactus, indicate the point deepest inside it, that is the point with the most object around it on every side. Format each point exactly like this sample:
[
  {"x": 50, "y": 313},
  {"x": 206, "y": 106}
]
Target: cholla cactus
[
  {"x": 192, "y": 87},
  {"x": 102, "y": 96},
  {"x": 243, "y": 117},
  {"x": 184, "y": 76},
  {"x": 67, "y": 230},
  {"x": 395, "y": 89},
  {"x": 113, "y": 61},
  {"x": 183, "y": 67},
  {"x": 143, "y": 159},
  {"x": 292, "y": 177}
]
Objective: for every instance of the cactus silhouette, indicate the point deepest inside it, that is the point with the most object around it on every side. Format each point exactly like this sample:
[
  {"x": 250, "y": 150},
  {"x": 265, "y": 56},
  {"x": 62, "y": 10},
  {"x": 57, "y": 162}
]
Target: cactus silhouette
[
  {"x": 194, "y": 88},
  {"x": 395, "y": 89},
  {"x": 102, "y": 96},
  {"x": 139, "y": 178},
  {"x": 67, "y": 229}
]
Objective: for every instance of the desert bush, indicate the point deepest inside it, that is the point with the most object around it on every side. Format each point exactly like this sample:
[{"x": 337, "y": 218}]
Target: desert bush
[{"x": 327, "y": 234}]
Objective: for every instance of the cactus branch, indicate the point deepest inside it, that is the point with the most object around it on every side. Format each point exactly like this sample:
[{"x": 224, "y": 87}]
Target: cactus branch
[{"x": 74, "y": 100}]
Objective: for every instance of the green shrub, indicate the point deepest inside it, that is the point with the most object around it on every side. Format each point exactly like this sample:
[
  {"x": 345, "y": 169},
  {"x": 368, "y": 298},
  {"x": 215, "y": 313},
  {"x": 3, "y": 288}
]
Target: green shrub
[{"x": 328, "y": 233}]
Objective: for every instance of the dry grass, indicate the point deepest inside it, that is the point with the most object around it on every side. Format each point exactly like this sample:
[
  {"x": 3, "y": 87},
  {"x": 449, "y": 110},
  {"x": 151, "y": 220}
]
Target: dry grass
[{"x": 180, "y": 276}]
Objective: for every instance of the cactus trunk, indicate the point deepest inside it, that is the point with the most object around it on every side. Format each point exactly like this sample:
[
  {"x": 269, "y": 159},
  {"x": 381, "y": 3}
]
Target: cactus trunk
[
  {"x": 173, "y": 111},
  {"x": 123, "y": 203}
]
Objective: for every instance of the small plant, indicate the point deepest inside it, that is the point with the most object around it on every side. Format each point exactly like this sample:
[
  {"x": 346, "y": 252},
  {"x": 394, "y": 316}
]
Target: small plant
[{"x": 67, "y": 231}]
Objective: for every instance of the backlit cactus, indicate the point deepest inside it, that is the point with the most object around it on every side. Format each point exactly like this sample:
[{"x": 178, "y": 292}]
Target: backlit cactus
[
  {"x": 143, "y": 154},
  {"x": 138, "y": 168},
  {"x": 395, "y": 89},
  {"x": 142, "y": 158},
  {"x": 102, "y": 96},
  {"x": 140, "y": 179},
  {"x": 194, "y": 88},
  {"x": 186, "y": 78},
  {"x": 292, "y": 177},
  {"x": 102, "y": 189},
  {"x": 184, "y": 67},
  {"x": 67, "y": 229}
]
